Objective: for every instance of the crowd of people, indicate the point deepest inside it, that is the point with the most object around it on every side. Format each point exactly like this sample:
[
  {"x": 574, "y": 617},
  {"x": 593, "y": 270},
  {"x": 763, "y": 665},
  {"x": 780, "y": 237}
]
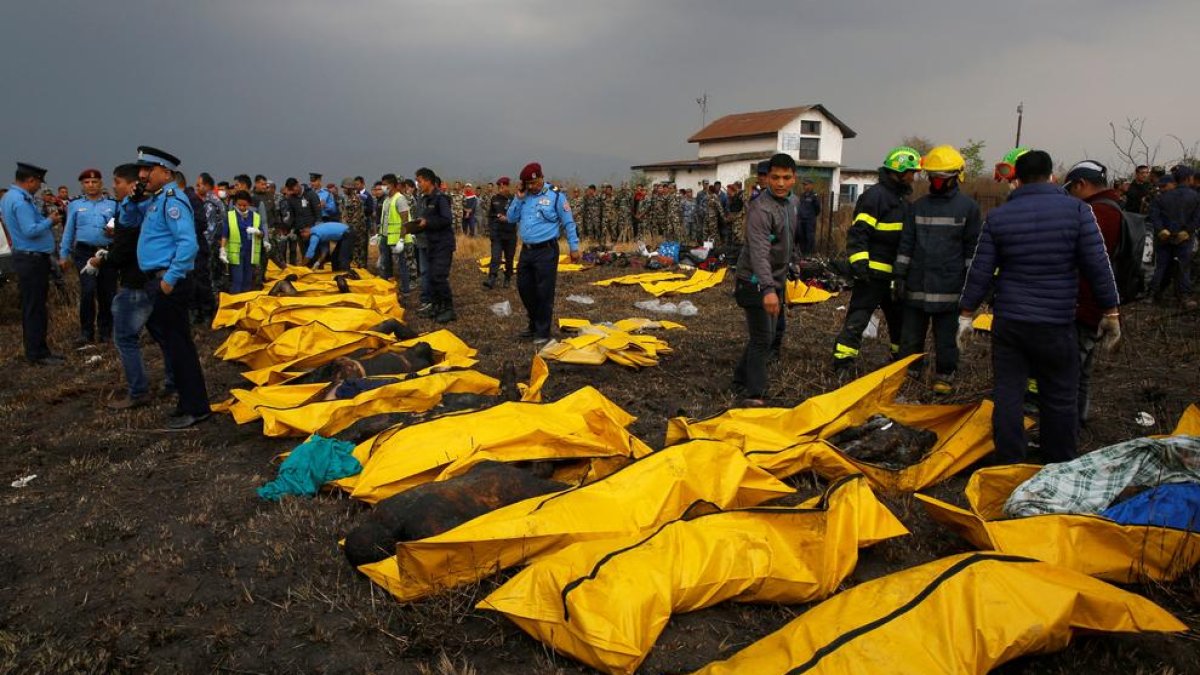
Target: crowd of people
[
  {"x": 1054, "y": 262},
  {"x": 155, "y": 251}
]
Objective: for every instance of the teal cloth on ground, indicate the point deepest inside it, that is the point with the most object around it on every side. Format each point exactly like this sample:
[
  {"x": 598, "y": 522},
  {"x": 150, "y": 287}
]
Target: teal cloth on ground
[{"x": 312, "y": 464}]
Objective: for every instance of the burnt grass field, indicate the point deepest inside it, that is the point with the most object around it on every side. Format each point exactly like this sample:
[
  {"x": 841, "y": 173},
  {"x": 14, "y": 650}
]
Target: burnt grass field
[{"x": 141, "y": 550}]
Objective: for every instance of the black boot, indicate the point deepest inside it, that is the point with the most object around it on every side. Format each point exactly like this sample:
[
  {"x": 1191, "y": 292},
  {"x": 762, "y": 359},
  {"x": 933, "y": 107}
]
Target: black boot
[
  {"x": 445, "y": 313},
  {"x": 430, "y": 311},
  {"x": 490, "y": 283},
  {"x": 507, "y": 280}
]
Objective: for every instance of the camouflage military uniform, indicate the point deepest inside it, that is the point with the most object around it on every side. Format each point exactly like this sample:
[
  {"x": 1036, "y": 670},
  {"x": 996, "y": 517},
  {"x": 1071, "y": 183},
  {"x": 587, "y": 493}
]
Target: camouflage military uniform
[
  {"x": 456, "y": 207},
  {"x": 623, "y": 220},
  {"x": 351, "y": 207},
  {"x": 712, "y": 218},
  {"x": 591, "y": 217},
  {"x": 673, "y": 217}
]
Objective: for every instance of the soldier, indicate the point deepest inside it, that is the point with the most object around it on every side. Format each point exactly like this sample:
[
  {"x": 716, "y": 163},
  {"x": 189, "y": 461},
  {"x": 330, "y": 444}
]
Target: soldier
[
  {"x": 212, "y": 215},
  {"x": 737, "y": 212},
  {"x": 351, "y": 207},
  {"x": 624, "y": 203},
  {"x": 713, "y": 218},
  {"x": 672, "y": 214},
  {"x": 456, "y": 203},
  {"x": 692, "y": 226},
  {"x": 608, "y": 228},
  {"x": 591, "y": 214}
]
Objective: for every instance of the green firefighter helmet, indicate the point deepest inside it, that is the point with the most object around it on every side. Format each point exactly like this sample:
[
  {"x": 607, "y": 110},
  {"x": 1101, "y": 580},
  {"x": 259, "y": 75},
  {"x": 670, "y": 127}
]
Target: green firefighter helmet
[{"x": 901, "y": 159}]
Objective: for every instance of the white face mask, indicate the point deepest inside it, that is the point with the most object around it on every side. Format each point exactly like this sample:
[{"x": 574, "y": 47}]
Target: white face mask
[
  {"x": 243, "y": 211},
  {"x": 222, "y": 194}
]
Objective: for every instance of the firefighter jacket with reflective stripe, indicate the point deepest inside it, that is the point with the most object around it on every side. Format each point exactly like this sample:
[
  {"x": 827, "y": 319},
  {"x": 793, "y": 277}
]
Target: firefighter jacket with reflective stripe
[
  {"x": 879, "y": 218},
  {"x": 936, "y": 246},
  {"x": 233, "y": 245}
]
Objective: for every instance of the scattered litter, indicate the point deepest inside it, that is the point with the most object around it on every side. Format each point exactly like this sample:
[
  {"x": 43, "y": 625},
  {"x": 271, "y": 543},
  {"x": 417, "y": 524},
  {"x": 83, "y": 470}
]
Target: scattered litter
[
  {"x": 581, "y": 299},
  {"x": 502, "y": 308},
  {"x": 658, "y": 306},
  {"x": 1144, "y": 419},
  {"x": 872, "y": 330},
  {"x": 23, "y": 481},
  {"x": 94, "y": 359},
  {"x": 842, "y": 308},
  {"x": 620, "y": 342},
  {"x": 686, "y": 308}
]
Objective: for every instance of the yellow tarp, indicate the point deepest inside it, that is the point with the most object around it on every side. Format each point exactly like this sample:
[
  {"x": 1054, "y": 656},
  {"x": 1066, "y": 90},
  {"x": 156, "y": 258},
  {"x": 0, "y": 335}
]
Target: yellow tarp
[
  {"x": 274, "y": 272},
  {"x": 241, "y": 344},
  {"x": 637, "y": 279},
  {"x": 564, "y": 264},
  {"x": 1189, "y": 423},
  {"x": 983, "y": 322},
  {"x": 1090, "y": 544},
  {"x": 606, "y": 602},
  {"x": 699, "y": 281},
  {"x": 787, "y": 441},
  {"x": 250, "y": 314},
  {"x": 284, "y": 413},
  {"x": 800, "y": 293},
  {"x": 620, "y": 343},
  {"x": 964, "y": 614},
  {"x": 582, "y": 426},
  {"x": 640, "y": 497}
]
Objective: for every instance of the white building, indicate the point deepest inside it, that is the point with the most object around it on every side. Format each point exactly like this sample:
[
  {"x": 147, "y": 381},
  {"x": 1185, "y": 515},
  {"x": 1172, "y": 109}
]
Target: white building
[
  {"x": 854, "y": 182},
  {"x": 730, "y": 148}
]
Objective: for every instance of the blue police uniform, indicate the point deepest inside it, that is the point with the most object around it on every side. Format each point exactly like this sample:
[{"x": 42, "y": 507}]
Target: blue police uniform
[
  {"x": 83, "y": 235},
  {"x": 323, "y": 235},
  {"x": 329, "y": 210},
  {"x": 32, "y": 244},
  {"x": 538, "y": 218},
  {"x": 166, "y": 252}
]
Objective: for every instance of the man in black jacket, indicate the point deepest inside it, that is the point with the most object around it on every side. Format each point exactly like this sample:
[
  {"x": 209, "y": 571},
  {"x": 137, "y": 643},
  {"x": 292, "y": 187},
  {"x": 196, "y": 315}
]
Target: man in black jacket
[
  {"x": 437, "y": 224},
  {"x": 132, "y": 304},
  {"x": 871, "y": 245},
  {"x": 301, "y": 209},
  {"x": 503, "y": 233}
]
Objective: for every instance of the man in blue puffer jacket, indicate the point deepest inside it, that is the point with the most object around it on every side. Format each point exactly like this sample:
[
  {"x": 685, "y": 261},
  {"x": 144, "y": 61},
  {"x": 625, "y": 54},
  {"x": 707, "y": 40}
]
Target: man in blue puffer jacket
[{"x": 1032, "y": 250}]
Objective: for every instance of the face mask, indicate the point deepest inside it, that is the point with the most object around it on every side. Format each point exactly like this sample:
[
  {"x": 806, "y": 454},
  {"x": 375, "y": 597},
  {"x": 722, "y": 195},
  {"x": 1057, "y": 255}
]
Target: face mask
[
  {"x": 222, "y": 194},
  {"x": 243, "y": 211}
]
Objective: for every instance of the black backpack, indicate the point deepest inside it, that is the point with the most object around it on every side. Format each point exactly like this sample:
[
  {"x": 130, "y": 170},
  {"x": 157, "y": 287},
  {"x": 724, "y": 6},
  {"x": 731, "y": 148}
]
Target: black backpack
[{"x": 1127, "y": 257}]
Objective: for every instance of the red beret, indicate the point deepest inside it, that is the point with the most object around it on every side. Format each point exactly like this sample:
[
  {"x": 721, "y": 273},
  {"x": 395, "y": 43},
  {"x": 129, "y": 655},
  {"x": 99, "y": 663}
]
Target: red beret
[
  {"x": 504, "y": 180},
  {"x": 90, "y": 173},
  {"x": 532, "y": 170}
]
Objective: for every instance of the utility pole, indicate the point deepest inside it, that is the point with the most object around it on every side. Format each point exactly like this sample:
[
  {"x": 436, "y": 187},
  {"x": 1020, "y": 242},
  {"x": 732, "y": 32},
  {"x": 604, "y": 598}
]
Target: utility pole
[
  {"x": 1020, "y": 115},
  {"x": 703, "y": 103}
]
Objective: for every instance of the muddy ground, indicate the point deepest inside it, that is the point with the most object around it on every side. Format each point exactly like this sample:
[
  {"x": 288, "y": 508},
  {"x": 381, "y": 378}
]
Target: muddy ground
[{"x": 141, "y": 550}]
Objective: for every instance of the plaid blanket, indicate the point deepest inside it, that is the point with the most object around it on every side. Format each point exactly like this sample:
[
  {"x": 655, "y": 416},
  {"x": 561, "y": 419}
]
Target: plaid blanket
[{"x": 1090, "y": 483}]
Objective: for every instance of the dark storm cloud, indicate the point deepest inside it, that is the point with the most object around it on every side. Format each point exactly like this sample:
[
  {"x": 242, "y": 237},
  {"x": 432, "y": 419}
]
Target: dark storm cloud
[{"x": 475, "y": 88}]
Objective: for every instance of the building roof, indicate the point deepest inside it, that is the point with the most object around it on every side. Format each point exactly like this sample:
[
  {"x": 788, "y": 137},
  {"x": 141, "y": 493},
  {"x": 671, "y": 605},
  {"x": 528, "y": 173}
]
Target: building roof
[
  {"x": 710, "y": 162},
  {"x": 761, "y": 123}
]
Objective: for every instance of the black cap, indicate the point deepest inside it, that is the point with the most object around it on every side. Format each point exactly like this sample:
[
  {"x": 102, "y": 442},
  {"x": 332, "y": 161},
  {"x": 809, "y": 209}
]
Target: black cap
[
  {"x": 764, "y": 167},
  {"x": 148, "y": 156},
  {"x": 314, "y": 176},
  {"x": 30, "y": 168}
]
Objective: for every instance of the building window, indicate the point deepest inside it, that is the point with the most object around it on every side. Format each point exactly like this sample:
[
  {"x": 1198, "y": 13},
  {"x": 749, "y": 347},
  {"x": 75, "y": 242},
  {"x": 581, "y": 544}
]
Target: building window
[
  {"x": 848, "y": 194},
  {"x": 808, "y": 148},
  {"x": 810, "y": 127}
]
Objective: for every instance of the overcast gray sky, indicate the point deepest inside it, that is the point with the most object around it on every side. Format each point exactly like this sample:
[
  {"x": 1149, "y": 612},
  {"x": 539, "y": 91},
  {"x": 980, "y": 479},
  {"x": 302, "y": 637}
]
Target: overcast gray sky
[{"x": 475, "y": 89}]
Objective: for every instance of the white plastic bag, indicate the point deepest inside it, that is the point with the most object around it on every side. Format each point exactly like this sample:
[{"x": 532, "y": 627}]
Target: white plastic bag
[
  {"x": 686, "y": 308},
  {"x": 581, "y": 299},
  {"x": 872, "y": 330},
  {"x": 502, "y": 308},
  {"x": 657, "y": 305}
]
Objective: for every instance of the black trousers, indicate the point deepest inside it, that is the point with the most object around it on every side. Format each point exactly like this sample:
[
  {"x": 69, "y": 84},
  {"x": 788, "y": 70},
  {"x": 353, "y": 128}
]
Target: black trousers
[
  {"x": 33, "y": 285},
  {"x": 537, "y": 275},
  {"x": 1050, "y": 354},
  {"x": 343, "y": 252},
  {"x": 750, "y": 374},
  {"x": 806, "y": 236},
  {"x": 945, "y": 338},
  {"x": 503, "y": 246},
  {"x": 441, "y": 256},
  {"x": 169, "y": 319},
  {"x": 96, "y": 293},
  {"x": 204, "y": 299},
  {"x": 864, "y": 299}
]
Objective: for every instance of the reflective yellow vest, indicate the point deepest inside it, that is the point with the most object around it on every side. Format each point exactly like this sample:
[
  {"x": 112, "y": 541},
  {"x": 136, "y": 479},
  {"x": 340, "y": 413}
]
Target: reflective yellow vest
[
  {"x": 233, "y": 245},
  {"x": 393, "y": 220}
]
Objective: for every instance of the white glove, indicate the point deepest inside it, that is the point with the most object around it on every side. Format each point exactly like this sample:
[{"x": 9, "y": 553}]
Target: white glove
[
  {"x": 253, "y": 231},
  {"x": 223, "y": 255},
  {"x": 374, "y": 240},
  {"x": 399, "y": 247},
  {"x": 102, "y": 253},
  {"x": 89, "y": 268},
  {"x": 965, "y": 331},
  {"x": 267, "y": 245},
  {"x": 1109, "y": 332}
]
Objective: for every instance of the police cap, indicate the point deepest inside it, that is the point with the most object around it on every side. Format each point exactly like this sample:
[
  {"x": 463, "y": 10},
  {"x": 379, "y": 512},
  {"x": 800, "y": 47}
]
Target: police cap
[
  {"x": 37, "y": 171},
  {"x": 148, "y": 156}
]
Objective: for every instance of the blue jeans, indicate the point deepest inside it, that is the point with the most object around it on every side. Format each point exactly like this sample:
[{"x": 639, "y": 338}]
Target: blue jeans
[
  {"x": 131, "y": 309},
  {"x": 423, "y": 273},
  {"x": 241, "y": 276}
]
